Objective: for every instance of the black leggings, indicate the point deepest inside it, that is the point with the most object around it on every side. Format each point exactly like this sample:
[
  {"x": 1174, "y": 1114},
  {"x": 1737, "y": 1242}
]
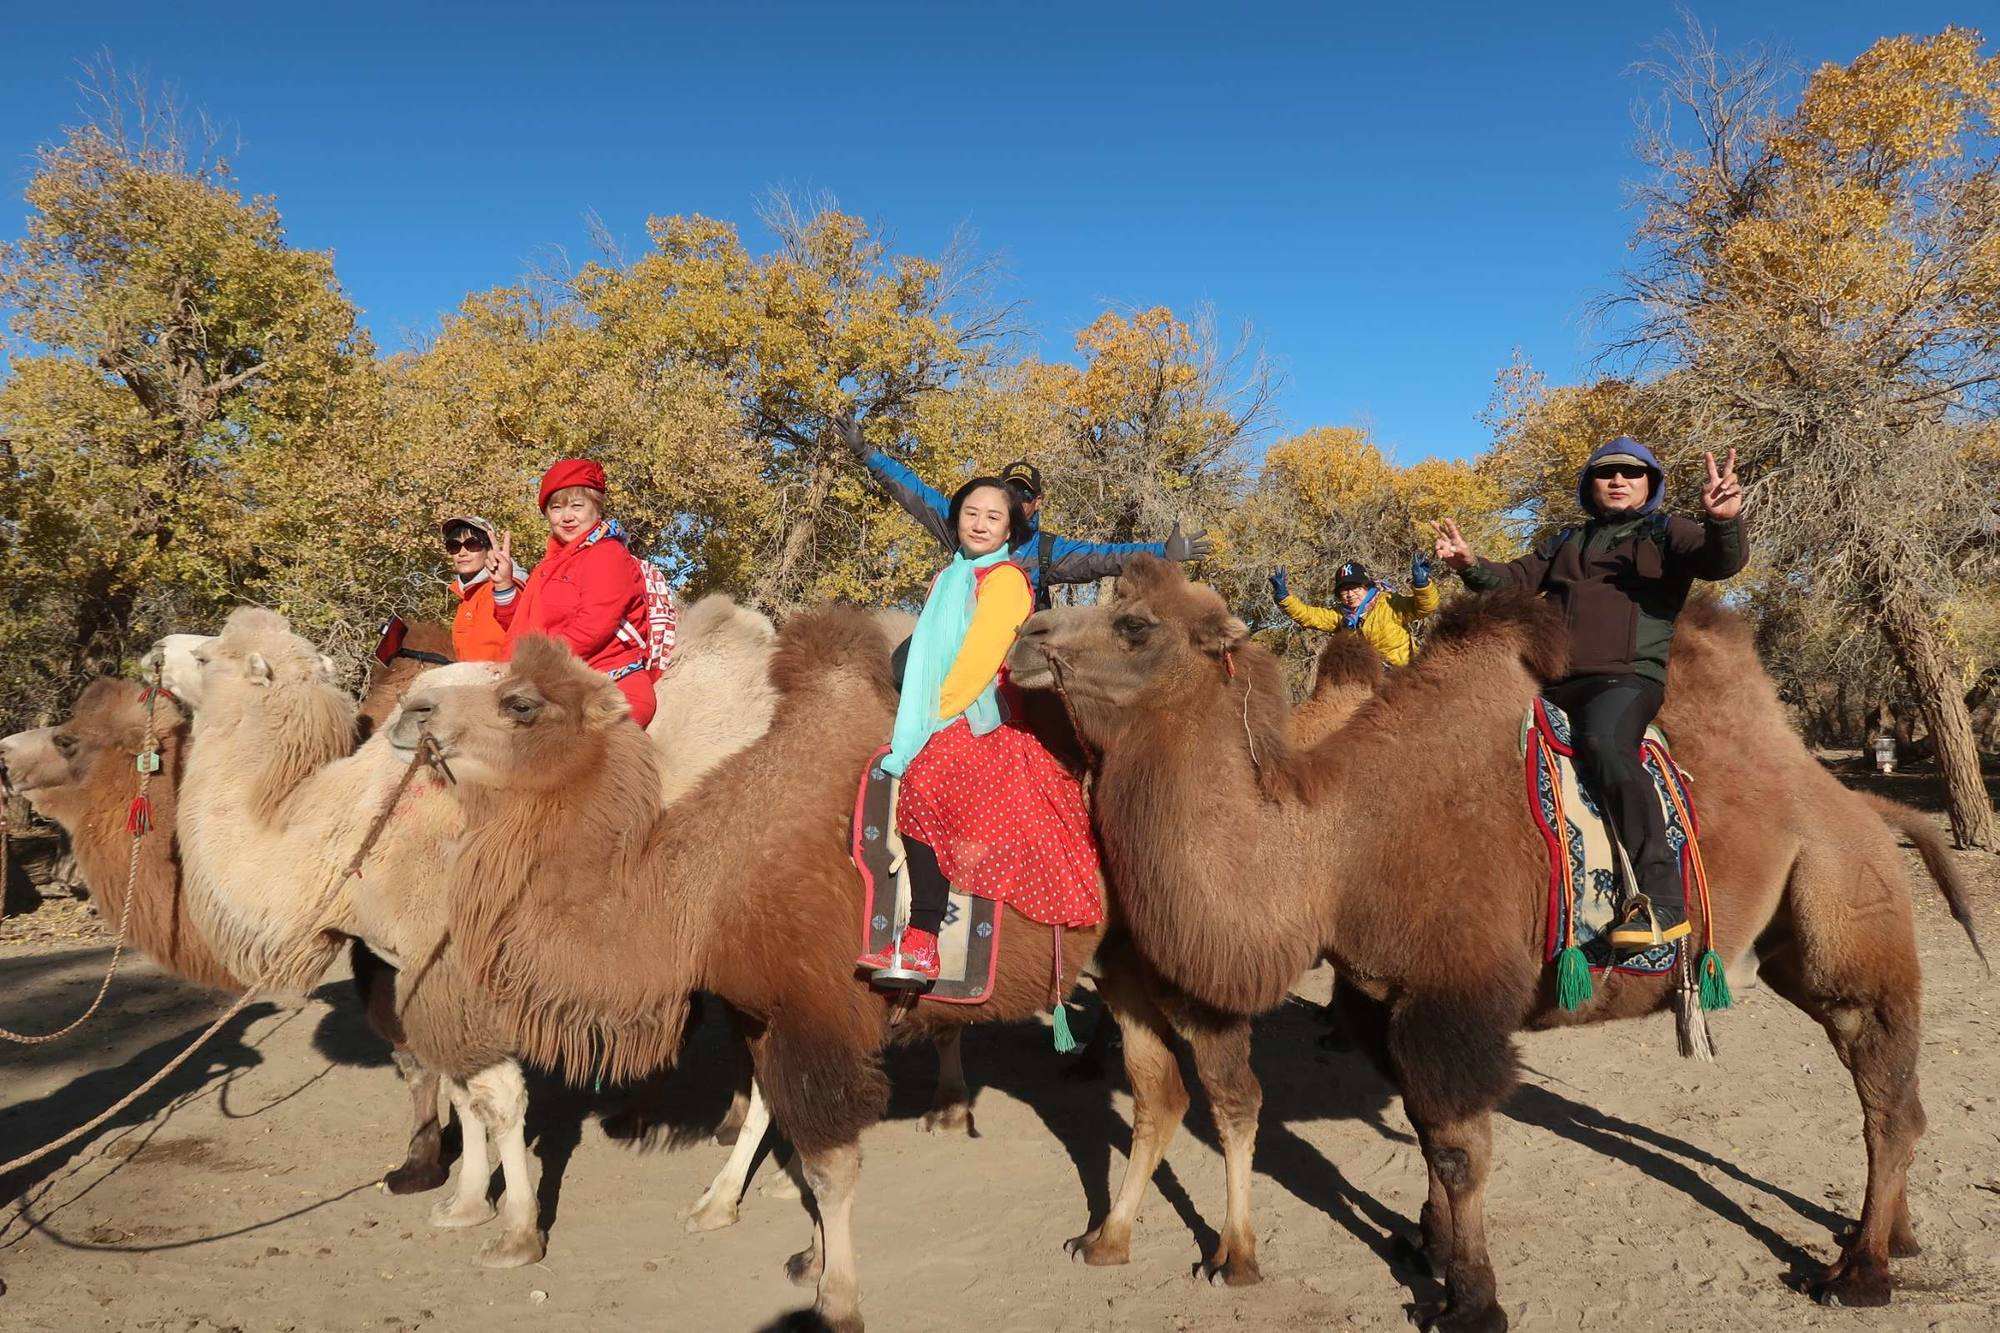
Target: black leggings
[
  {"x": 1608, "y": 716},
  {"x": 930, "y": 891}
]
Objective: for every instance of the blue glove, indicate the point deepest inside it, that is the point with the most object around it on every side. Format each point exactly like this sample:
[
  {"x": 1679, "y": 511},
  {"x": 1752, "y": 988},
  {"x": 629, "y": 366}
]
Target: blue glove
[
  {"x": 1278, "y": 590},
  {"x": 1420, "y": 570}
]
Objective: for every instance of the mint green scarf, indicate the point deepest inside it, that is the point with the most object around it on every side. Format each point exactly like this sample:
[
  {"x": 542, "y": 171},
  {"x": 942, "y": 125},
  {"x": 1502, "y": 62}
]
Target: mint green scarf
[{"x": 940, "y": 632}]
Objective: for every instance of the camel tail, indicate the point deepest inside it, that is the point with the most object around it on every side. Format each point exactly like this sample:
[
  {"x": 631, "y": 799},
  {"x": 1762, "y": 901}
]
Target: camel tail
[
  {"x": 822, "y": 1093},
  {"x": 1937, "y": 859}
]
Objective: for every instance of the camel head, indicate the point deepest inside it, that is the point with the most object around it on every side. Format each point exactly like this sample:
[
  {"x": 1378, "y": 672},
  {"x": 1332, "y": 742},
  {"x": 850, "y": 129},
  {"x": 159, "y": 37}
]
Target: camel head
[
  {"x": 256, "y": 650},
  {"x": 541, "y": 722},
  {"x": 106, "y": 725},
  {"x": 173, "y": 660},
  {"x": 1161, "y": 646}
]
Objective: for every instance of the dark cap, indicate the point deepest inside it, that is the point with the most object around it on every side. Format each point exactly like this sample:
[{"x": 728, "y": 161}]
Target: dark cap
[
  {"x": 1024, "y": 476},
  {"x": 1353, "y": 574}
]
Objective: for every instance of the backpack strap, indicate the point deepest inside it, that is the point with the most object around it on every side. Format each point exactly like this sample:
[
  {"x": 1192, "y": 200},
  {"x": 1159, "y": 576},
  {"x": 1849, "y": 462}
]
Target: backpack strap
[{"x": 1045, "y": 547}]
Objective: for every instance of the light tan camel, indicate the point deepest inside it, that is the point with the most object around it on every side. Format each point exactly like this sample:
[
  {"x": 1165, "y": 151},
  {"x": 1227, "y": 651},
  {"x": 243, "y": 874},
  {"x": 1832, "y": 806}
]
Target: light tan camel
[
  {"x": 593, "y": 915},
  {"x": 1292, "y": 854},
  {"x": 254, "y": 800}
]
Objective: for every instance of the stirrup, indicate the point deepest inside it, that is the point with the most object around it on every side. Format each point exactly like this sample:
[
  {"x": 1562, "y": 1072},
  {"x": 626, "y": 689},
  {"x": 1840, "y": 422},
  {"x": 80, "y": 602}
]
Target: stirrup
[{"x": 897, "y": 976}]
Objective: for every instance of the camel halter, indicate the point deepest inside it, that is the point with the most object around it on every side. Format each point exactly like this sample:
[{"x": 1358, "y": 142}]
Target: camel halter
[
  {"x": 1249, "y": 738},
  {"x": 138, "y": 823}
]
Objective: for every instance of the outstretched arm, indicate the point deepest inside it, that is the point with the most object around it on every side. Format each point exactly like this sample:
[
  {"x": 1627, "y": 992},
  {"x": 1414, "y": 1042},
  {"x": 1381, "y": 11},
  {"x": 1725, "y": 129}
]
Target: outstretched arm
[{"x": 919, "y": 500}]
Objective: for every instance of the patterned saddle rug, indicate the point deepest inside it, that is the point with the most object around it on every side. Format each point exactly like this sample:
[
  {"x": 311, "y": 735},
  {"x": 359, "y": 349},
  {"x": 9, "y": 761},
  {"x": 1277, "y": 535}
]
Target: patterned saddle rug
[
  {"x": 969, "y": 944},
  {"x": 1586, "y": 862}
]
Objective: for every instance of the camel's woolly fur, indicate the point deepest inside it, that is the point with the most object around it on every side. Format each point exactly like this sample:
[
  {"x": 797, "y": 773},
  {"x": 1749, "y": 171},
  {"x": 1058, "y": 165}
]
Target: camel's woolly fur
[{"x": 715, "y": 696}]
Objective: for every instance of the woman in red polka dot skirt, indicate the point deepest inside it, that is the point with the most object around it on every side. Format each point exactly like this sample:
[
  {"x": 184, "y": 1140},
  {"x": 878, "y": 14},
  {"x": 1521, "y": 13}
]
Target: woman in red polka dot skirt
[{"x": 984, "y": 805}]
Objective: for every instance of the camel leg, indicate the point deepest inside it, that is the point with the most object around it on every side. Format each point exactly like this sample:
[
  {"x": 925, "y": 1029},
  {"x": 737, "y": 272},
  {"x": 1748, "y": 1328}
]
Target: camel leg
[
  {"x": 467, "y": 1206},
  {"x": 1877, "y": 1041},
  {"x": 716, "y": 1208},
  {"x": 1222, "y": 1062},
  {"x": 832, "y": 1175},
  {"x": 1436, "y": 1219},
  {"x": 423, "y": 1162},
  {"x": 1159, "y": 1100},
  {"x": 1459, "y": 1153},
  {"x": 951, "y": 1110},
  {"x": 500, "y": 1101}
]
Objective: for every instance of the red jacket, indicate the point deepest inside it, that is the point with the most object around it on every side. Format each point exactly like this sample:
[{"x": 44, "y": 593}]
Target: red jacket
[{"x": 583, "y": 595}]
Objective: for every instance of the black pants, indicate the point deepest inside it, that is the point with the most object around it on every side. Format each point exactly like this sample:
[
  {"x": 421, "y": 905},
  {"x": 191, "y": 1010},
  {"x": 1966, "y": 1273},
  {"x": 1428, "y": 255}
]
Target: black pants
[
  {"x": 1608, "y": 716},
  {"x": 930, "y": 892}
]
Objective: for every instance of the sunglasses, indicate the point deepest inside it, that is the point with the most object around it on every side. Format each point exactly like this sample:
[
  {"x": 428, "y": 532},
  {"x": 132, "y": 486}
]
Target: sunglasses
[
  {"x": 1625, "y": 470},
  {"x": 453, "y": 545}
]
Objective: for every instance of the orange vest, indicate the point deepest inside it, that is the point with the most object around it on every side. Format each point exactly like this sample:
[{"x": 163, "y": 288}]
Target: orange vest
[{"x": 476, "y": 635}]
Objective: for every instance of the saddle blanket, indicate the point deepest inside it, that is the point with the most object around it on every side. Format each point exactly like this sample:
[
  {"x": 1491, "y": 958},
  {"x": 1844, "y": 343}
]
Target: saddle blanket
[
  {"x": 1586, "y": 862},
  {"x": 969, "y": 944}
]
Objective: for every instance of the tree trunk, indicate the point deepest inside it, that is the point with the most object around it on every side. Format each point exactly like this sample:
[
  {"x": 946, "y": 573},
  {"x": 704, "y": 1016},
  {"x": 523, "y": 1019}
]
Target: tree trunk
[
  {"x": 1925, "y": 661},
  {"x": 774, "y": 586}
]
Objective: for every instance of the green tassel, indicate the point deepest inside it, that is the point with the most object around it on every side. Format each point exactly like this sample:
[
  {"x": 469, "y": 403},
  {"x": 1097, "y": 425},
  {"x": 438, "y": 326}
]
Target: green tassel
[
  {"x": 1572, "y": 979},
  {"x": 1714, "y": 982},
  {"x": 1065, "y": 1043}
]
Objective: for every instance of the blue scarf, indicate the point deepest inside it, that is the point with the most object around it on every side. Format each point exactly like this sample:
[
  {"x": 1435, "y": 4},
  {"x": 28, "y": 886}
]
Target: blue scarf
[
  {"x": 940, "y": 632},
  {"x": 1353, "y": 619}
]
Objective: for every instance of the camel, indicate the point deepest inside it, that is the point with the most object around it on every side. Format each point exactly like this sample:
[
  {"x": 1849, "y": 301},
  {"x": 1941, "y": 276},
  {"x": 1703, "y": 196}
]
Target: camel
[
  {"x": 81, "y": 774},
  {"x": 1290, "y": 854},
  {"x": 592, "y": 914},
  {"x": 274, "y": 809}
]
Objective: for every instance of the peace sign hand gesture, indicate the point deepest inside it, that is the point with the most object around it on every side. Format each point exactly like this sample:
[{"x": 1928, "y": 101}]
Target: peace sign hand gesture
[
  {"x": 500, "y": 562},
  {"x": 1721, "y": 494},
  {"x": 1452, "y": 547}
]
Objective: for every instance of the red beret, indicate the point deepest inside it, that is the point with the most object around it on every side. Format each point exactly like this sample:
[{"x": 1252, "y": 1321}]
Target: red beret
[{"x": 570, "y": 472}]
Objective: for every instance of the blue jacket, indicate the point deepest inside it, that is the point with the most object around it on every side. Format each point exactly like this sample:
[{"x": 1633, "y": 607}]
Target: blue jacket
[{"x": 1070, "y": 561}]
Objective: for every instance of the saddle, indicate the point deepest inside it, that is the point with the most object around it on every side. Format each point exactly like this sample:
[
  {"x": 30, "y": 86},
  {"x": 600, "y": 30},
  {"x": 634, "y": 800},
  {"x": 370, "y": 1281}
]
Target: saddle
[
  {"x": 968, "y": 943},
  {"x": 1588, "y": 869}
]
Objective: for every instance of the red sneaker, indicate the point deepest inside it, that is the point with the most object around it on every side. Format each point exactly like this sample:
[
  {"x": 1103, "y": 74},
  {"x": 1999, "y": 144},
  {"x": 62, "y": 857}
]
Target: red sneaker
[{"x": 919, "y": 949}]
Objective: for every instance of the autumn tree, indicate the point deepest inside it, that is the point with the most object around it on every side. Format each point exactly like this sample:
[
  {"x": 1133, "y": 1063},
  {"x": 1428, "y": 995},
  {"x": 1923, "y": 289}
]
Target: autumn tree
[
  {"x": 163, "y": 332},
  {"x": 1822, "y": 287}
]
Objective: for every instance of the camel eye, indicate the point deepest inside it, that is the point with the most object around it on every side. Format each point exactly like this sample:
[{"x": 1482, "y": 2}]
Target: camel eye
[
  {"x": 1133, "y": 629},
  {"x": 66, "y": 744},
  {"x": 523, "y": 708}
]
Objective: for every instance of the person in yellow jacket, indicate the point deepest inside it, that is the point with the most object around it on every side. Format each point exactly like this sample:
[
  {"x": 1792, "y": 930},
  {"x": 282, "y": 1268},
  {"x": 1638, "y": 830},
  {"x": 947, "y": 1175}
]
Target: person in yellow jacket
[{"x": 1383, "y": 617}]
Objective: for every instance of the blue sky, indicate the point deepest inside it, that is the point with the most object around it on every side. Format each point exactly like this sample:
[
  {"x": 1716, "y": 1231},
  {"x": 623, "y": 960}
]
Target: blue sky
[{"x": 1394, "y": 197}]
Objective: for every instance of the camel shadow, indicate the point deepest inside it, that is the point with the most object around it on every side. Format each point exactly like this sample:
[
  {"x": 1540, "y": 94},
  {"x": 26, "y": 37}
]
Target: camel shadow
[
  {"x": 160, "y": 1010},
  {"x": 1672, "y": 1162}
]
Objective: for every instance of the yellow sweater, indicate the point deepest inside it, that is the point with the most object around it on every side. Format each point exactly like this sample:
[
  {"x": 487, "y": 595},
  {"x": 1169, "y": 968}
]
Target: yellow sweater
[
  {"x": 1004, "y": 602},
  {"x": 1386, "y": 626}
]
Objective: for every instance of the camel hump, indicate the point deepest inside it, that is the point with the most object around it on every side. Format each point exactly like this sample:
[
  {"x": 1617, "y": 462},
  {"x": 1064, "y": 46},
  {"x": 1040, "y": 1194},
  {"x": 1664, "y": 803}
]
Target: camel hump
[
  {"x": 718, "y": 623},
  {"x": 1347, "y": 659},
  {"x": 828, "y": 639},
  {"x": 1535, "y": 622}
]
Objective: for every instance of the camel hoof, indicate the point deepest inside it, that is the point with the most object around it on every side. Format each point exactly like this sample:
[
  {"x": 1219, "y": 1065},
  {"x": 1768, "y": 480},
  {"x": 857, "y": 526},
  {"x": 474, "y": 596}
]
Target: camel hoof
[
  {"x": 780, "y": 1186},
  {"x": 415, "y": 1178},
  {"x": 803, "y": 1269},
  {"x": 951, "y": 1118},
  {"x": 1857, "y": 1287},
  {"x": 453, "y": 1215},
  {"x": 1099, "y": 1252},
  {"x": 1445, "y": 1317},
  {"x": 1225, "y": 1269},
  {"x": 514, "y": 1251},
  {"x": 710, "y": 1214}
]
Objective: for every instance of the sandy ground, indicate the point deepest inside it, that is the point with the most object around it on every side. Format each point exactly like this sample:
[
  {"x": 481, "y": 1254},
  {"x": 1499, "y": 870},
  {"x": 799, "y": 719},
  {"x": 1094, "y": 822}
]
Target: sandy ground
[{"x": 1629, "y": 1186}]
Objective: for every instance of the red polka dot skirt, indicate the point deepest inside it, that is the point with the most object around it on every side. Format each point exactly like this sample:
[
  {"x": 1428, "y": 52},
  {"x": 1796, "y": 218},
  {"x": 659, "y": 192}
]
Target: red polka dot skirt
[{"x": 1007, "y": 822}]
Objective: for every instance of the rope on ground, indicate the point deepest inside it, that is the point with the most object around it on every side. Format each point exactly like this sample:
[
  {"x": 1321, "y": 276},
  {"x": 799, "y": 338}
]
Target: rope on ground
[{"x": 138, "y": 822}]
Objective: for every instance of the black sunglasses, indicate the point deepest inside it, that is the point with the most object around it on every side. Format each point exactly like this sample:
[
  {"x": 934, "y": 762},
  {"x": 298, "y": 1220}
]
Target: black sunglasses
[
  {"x": 453, "y": 545},
  {"x": 1625, "y": 470}
]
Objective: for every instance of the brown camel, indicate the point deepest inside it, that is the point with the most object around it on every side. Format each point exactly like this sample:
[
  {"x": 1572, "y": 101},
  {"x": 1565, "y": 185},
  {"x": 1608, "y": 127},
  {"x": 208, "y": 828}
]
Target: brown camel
[
  {"x": 593, "y": 914},
  {"x": 261, "y": 793},
  {"x": 81, "y": 773},
  {"x": 1291, "y": 854}
]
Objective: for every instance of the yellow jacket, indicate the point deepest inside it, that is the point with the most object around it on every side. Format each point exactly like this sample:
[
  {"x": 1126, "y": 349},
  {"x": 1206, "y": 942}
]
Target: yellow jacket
[
  {"x": 1385, "y": 624},
  {"x": 1004, "y": 601}
]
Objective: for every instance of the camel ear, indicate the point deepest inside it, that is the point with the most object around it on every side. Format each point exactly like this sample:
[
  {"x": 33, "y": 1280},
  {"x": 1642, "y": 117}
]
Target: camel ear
[
  {"x": 1219, "y": 633},
  {"x": 257, "y": 669},
  {"x": 328, "y": 667},
  {"x": 605, "y": 708}
]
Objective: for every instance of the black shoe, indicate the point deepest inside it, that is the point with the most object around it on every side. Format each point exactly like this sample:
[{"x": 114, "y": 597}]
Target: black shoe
[{"x": 1647, "y": 926}]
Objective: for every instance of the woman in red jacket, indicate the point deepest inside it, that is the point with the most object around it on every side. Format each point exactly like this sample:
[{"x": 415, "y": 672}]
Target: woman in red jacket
[{"x": 588, "y": 591}]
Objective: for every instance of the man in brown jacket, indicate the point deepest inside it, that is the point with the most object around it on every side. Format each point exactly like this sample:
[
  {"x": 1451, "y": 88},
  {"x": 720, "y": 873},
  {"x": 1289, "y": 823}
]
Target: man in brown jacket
[{"x": 1621, "y": 578}]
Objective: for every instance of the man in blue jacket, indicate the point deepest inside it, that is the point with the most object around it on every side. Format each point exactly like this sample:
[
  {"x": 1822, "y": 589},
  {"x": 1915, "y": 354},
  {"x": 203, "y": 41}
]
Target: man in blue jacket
[{"x": 1049, "y": 559}]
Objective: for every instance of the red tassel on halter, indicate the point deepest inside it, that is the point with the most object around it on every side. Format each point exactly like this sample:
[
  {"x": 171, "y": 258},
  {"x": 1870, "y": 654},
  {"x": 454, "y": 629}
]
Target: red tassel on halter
[
  {"x": 1229, "y": 664},
  {"x": 139, "y": 818}
]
